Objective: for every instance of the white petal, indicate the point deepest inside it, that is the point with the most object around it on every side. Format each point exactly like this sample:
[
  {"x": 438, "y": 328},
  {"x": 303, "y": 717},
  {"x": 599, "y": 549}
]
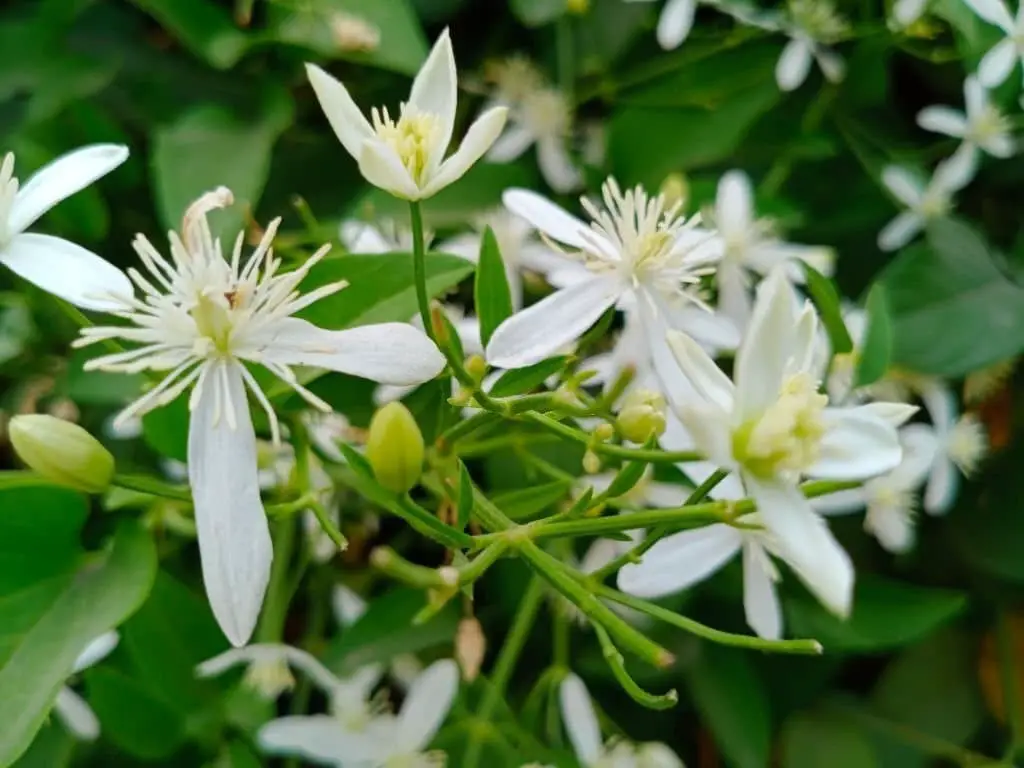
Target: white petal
[
  {"x": 680, "y": 561},
  {"x": 664, "y": 495},
  {"x": 896, "y": 414},
  {"x": 892, "y": 526},
  {"x": 315, "y": 737},
  {"x": 942, "y": 120},
  {"x": 733, "y": 293},
  {"x": 550, "y": 219},
  {"x": 956, "y": 171},
  {"x": 793, "y": 65},
  {"x": 389, "y": 353},
  {"x": 941, "y": 404},
  {"x": 857, "y": 445},
  {"x": 997, "y": 64},
  {"x": 712, "y": 330},
  {"x": 600, "y": 552},
  {"x": 348, "y": 122},
  {"x": 234, "y": 540},
  {"x": 904, "y": 185},
  {"x": 1001, "y": 146},
  {"x": 906, "y": 12},
  {"x": 734, "y": 202},
  {"x": 764, "y": 355},
  {"x": 701, "y": 370},
  {"x": 427, "y": 703},
  {"x": 900, "y": 231},
  {"x": 994, "y": 12},
  {"x": 435, "y": 91},
  {"x": 760, "y": 602},
  {"x": 541, "y": 330},
  {"x": 709, "y": 427},
  {"x": 975, "y": 97},
  {"x": 478, "y": 139},
  {"x": 840, "y": 502},
  {"x": 831, "y": 64},
  {"x": 97, "y": 650},
  {"x": 556, "y": 166},
  {"x": 539, "y": 258},
  {"x": 76, "y": 714},
  {"x": 271, "y": 653},
  {"x": 805, "y": 542},
  {"x": 348, "y": 606},
  {"x": 60, "y": 179},
  {"x": 66, "y": 270},
  {"x": 515, "y": 140},
  {"x": 920, "y": 449},
  {"x": 382, "y": 167},
  {"x": 580, "y": 719},
  {"x": 943, "y": 482},
  {"x": 675, "y": 22},
  {"x": 361, "y": 237}
]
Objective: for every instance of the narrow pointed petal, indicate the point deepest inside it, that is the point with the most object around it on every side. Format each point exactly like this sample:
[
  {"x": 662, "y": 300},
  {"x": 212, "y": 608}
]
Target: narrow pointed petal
[
  {"x": 580, "y": 719},
  {"x": 894, "y": 414},
  {"x": 904, "y": 185},
  {"x": 66, "y": 270},
  {"x": 315, "y": 737},
  {"x": 805, "y": 542},
  {"x": 549, "y": 218},
  {"x": 478, "y": 139},
  {"x": 675, "y": 23},
  {"x": 941, "y": 404},
  {"x": 701, "y": 370},
  {"x": 348, "y": 606},
  {"x": 60, "y": 179},
  {"x": 760, "y": 601},
  {"x": 346, "y": 119},
  {"x": 942, "y": 120},
  {"x": 680, "y": 561},
  {"x": 763, "y": 356},
  {"x": 76, "y": 714},
  {"x": 97, "y": 650},
  {"x": 840, "y": 502},
  {"x": 793, "y": 65},
  {"x": 975, "y": 96},
  {"x": 709, "y": 428},
  {"x": 389, "y": 353},
  {"x": 427, "y": 703},
  {"x": 943, "y": 483},
  {"x": 734, "y": 203},
  {"x": 994, "y": 12},
  {"x": 382, "y": 167},
  {"x": 510, "y": 145},
  {"x": 234, "y": 540},
  {"x": 556, "y": 166},
  {"x": 271, "y": 653},
  {"x": 539, "y": 258},
  {"x": 733, "y": 294},
  {"x": 900, "y": 231},
  {"x": 831, "y": 63},
  {"x": 856, "y": 446},
  {"x": 956, "y": 171},
  {"x": 906, "y": 12},
  {"x": 997, "y": 64},
  {"x": 435, "y": 91},
  {"x": 540, "y": 330}
]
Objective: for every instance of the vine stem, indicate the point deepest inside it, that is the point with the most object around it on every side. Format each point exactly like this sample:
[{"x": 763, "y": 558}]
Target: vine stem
[{"x": 419, "y": 266}]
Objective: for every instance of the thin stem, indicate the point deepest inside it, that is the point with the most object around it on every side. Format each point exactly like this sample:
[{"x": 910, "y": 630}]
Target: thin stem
[
  {"x": 328, "y": 525},
  {"x": 609, "y": 449},
  {"x": 275, "y": 606},
  {"x": 446, "y": 440},
  {"x": 152, "y": 486},
  {"x": 419, "y": 266},
  {"x": 682, "y": 517}
]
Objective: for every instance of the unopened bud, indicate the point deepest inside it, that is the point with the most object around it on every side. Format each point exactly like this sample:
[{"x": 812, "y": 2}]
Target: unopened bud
[
  {"x": 476, "y": 366},
  {"x": 470, "y": 645},
  {"x": 62, "y": 452},
  {"x": 604, "y": 432},
  {"x": 676, "y": 190},
  {"x": 579, "y": 7},
  {"x": 395, "y": 448},
  {"x": 591, "y": 463},
  {"x": 642, "y": 415}
]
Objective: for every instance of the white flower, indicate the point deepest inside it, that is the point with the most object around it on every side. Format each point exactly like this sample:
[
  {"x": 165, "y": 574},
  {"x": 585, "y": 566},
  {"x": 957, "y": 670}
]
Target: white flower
[
  {"x": 813, "y": 24},
  {"x": 406, "y": 156},
  {"x": 675, "y": 22},
  {"x": 55, "y": 265},
  {"x": 773, "y": 427},
  {"x": 641, "y": 254},
  {"x": 543, "y": 117},
  {"x": 906, "y": 12},
  {"x": 751, "y": 247},
  {"x": 72, "y": 709},
  {"x": 585, "y": 734},
  {"x": 201, "y": 317},
  {"x": 923, "y": 201},
  {"x": 999, "y": 62},
  {"x": 385, "y": 741},
  {"x": 382, "y": 237}
]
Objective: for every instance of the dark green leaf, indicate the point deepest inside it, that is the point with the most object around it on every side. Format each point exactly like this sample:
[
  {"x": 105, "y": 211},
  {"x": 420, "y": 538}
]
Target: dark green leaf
[
  {"x": 812, "y": 740},
  {"x": 202, "y": 26},
  {"x": 826, "y": 299},
  {"x": 132, "y": 717},
  {"x": 876, "y": 347},
  {"x": 529, "y": 502},
  {"x": 521, "y": 380},
  {"x": 492, "y": 294}
]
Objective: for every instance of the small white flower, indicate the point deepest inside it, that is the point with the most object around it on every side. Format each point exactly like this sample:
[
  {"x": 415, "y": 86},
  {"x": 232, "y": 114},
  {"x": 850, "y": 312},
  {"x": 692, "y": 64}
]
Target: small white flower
[
  {"x": 72, "y": 709},
  {"x": 675, "y": 22},
  {"x": 382, "y": 237},
  {"x": 641, "y": 254},
  {"x": 55, "y": 265},
  {"x": 406, "y": 157},
  {"x": 513, "y": 78},
  {"x": 813, "y": 25},
  {"x": 924, "y": 202},
  {"x": 906, "y": 12},
  {"x": 773, "y": 427},
  {"x": 750, "y": 247},
  {"x": 999, "y": 62},
  {"x": 202, "y": 316}
]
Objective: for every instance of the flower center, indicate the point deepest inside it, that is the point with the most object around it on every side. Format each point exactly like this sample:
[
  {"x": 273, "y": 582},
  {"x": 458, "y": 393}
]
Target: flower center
[
  {"x": 413, "y": 138},
  {"x": 8, "y": 191},
  {"x": 786, "y": 437},
  {"x": 934, "y": 204},
  {"x": 966, "y": 443},
  {"x": 546, "y": 113},
  {"x": 212, "y": 314},
  {"x": 269, "y": 678},
  {"x": 988, "y": 125},
  {"x": 514, "y": 79},
  {"x": 818, "y": 19}
]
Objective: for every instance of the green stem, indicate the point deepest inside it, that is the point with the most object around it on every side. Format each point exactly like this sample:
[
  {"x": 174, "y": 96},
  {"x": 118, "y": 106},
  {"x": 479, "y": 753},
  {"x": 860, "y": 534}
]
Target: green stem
[
  {"x": 447, "y": 439},
  {"x": 419, "y": 266},
  {"x": 682, "y": 517},
  {"x": 275, "y": 605},
  {"x": 328, "y": 525},
  {"x": 389, "y": 562},
  {"x": 152, "y": 486},
  {"x": 476, "y": 567},
  {"x": 629, "y": 685},
  {"x": 609, "y": 449}
]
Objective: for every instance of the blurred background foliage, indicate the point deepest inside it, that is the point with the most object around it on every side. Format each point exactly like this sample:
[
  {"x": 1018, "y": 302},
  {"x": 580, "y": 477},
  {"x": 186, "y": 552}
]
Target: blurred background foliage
[{"x": 212, "y": 92}]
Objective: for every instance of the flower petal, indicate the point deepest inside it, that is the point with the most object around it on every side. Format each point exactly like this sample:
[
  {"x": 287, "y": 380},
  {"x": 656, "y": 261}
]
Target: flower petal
[
  {"x": 540, "y": 330},
  {"x": 734, "y": 205},
  {"x": 956, "y": 171},
  {"x": 900, "y": 231},
  {"x": 580, "y": 719},
  {"x": 712, "y": 330},
  {"x": 906, "y": 12},
  {"x": 701, "y": 370},
  {"x": 709, "y": 427},
  {"x": 66, "y": 270},
  {"x": 943, "y": 482},
  {"x": 315, "y": 737},
  {"x": 389, "y": 353},
  {"x": 76, "y": 714},
  {"x": 857, "y": 445},
  {"x": 348, "y": 122},
  {"x": 427, "y": 703},
  {"x": 793, "y": 65},
  {"x": 382, "y": 167},
  {"x": 760, "y": 601},
  {"x": 549, "y": 218},
  {"x": 941, "y": 404},
  {"x": 234, "y": 540},
  {"x": 943, "y": 120},
  {"x": 511, "y": 144},
  {"x": 556, "y": 166},
  {"x": 97, "y": 650},
  {"x": 896, "y": 414},
  {"x": 675, "y": 23},
  {"x": 805, "y": 542},
  {"x": 271, "y": 653},
  {"x": 904, "y": 185},
  {"x": 680, "y": 561},
  {"x": 60, "y": 179},
  {"x": 764, "y": 355},
  {"x": 348, "y": 606},
  {"x": 362, "y": 237},
  {"x": 893, "y": 526},
  {"x": 435, "y": 91},
  {"x": 840, "y": 502},
  {"x": 997, "y": 64},
  {"x": 994, "y": 12},
  {"x": 478, "y": 139}
]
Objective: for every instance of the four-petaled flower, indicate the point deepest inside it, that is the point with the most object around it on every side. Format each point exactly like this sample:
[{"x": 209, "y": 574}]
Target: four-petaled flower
[{"x": 999, "y": 62}]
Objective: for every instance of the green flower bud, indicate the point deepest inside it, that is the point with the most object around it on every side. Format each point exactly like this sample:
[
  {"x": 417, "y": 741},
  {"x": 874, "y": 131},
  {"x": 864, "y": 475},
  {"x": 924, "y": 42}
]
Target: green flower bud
[
  {"x": 62, "y": 452},
  {"x": 476, "y": 366},
  {"x": 642, "y": 415},
  {"x": 395, "y": 448}
]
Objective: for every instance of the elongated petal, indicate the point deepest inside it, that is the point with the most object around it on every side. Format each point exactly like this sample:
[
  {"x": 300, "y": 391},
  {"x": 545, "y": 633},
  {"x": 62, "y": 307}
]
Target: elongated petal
[
  {"x": 942, "y": 120},
  {"x": 66, "y": 270},
  {"x": 427, "y": 703},
  {"x": 539, "y": 258},
  {"x": 701, "y": 370},
  {"x": 389, "y": 353},
  {"x": 943, "y": 483},
  {"x": 550, "y": 219},
  {"x": 892, "y": 525},
  {"x": 997, "y": 64},
  {"x": 382, "y": 167},
  {"x": 941, "y": 404},
  {"x": 805, "y": 542},
  {"x": 895, "y": 414},
  {"x": 793, "y": 65},
  {"x": 315, "y": 737},
  {"x": 348, "y": 606},
  {"x": 680, "y": 561},
  {"x": 675, "y": 23},
  {"x": 956, "y": 171},
  {"x": 760, "y": 601},
  {"x": 435, "y": 91},
  {"x": 831, "y": 63},
  {"x": 478, "y": 139},
  {"x": 60, "y": 179},
  {"x": 271, "y": 653},
  {"x": 994, "y": 12},
  {"x": 76, "y": 714},
  {"x": 734, "y": 293},
  {"x": 734, "y": 205},
  {"x": 234, "y": 540},
  {"x": 97, "y": 650},
  {"x": 348, "y": 122},
  {"x": 900, "y": 231},
  {"x": 510, "y": 145},
  {"x": 540, "y": 330},
  {"x": 840, "y": 502},
  {"x": 712, "y": 330},
  {"x": 556, "y": 166},
  {"x": 764, "y": 355},
  {"x": 709, "y": 427},
  {"x": 857, "y": 445},
  {"x": 904, "y": 185},
  {"x": 580, "y": 719},
  {"x": 362, "y": 237},
  {"x": 906, "y": 12}
]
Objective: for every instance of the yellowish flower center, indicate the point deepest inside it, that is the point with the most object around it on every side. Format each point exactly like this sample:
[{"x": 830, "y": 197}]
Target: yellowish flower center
[
  {"x": 269, "y": 678},
  {"x": 413, "y": 138},
  {"x": 547, "y": 113},
  {"x": 990, "y": 124},
  {"x": 966, "y": 443},
  {"x": 213, "y": 319}
]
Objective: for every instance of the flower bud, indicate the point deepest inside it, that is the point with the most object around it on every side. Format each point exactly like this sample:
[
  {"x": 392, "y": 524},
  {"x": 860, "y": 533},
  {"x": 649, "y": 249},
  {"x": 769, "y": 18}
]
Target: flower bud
[
  {"x": 604, "y": 432},
  {"x": 395, "y": 448},
  {"x": 642, "y": 415},
  {"x": 470, "y": 645},
  {"x": 62, "y": 452},
  {"x": 476, "y": 367},
  {"x": 591, "y": 463}
]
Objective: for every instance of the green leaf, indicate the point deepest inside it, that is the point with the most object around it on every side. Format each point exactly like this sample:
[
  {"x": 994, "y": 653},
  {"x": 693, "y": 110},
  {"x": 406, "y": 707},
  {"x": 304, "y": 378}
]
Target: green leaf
[
  {"x": 876, "y": 348},
  {"x": 131, "y": 716},
  {"x": 529, "y": 502},
  {"x": 381, "y": 287},
  {"x": 886, "y": 614},
  {"x": 165, "y": 429},
  {"x": 202, "y": 26},
  {"x": 732, "y": 702},
  {"x": 53, "y": 747},
  {"x": 520, "y": 380},
  {"x": 953, "y": 309},
  {"x": 812, "y": 740},
  {"x": 826, "y": 299},
  {"x": 534, "y": 13},
  {"x": 492, "y": 295},
  {"x": 465, "y": 506},
  {"x": 47, "y": 625}
]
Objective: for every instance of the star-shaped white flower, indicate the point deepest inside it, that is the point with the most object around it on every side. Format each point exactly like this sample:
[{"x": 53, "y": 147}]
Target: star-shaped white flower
[
  {"x": 58, "y": 266},
  {"x": 72, "y": 709},
  {"x": 999, "y": 62},
  {"x": 812, "y": 26},
  {"x": 200, "y": 319},
  {"x": 406, "y": 156}
]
